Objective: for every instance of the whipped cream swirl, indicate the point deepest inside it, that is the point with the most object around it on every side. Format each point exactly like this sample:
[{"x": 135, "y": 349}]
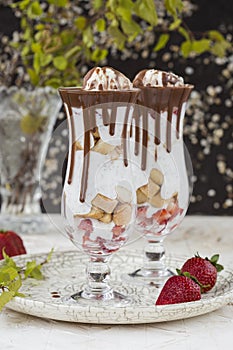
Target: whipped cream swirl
[
  {"x": 106, "y": 78},
  {"x": 153, "y": 78}
]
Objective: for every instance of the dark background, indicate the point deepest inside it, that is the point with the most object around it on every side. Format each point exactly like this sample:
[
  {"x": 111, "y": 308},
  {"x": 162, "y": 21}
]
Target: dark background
[{"x": 209, "y": 120}]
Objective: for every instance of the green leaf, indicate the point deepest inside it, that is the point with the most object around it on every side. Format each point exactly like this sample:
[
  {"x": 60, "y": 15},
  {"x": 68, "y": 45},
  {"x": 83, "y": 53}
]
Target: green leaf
[
  {"x": 46, "y": 59},
  {"x": 184, "y": 33},
  {"x": 8, "y": 261},
  {"x": 36, "y": 62},
  {"x": 29, "y": 267},
  {"x": 60, "y": 3},
  {"x": 53, "y": 82},
  {"x": 175, "y": 24},
  {"x": 200, "y": 46},
  {"x": 36, "y": 273},
  {"x": 97, "y": 4},
  {"x": 4, "y": 277},
  {"x": 10, "y": 277},
  {"x": 27, "y": 34},
  {"x": 49, "y": 256},
  {"x": 219, "y": 267},
  {"x": 100, "y": 25},
  {"x": 39, "y": 26},
  {"x": 128, "y": 4},
  {"x": 73, "y": 51},
  {"x": 15, "y": 285},
  {"x": 34, "y": 10},
  {"x": 146, "y": 10},
  {"x": 214, "y": 259},
  {"x": 67, "y": 37},
  {"x": 124, "y": 13},
  {"x": 5, "y": 297},
  {"x": 23, "y": 23},
  {"x": 88, "y": 37},
  {"x": 34, "y": 77},
  {"x": 21, "y": 4},
  {"x": 112, "y": 4},
  {"x": 161, "y": 43},
  {"x": 36, "y": 47},
  {"x": 110, "y": 16},
  {"x": 118, "y": 37},
  {"x": 60, "y": 62},
  {"x": 99, "y": 55},
  {"x": 219, "y": 48},
  {"x": 81, "y": 22},
  {"x": 131, "y": 29},
  {"x": 173, "y": 6},
  {"x": 186, "y": 48},
  {"x": 8, "y": 273},
  {"x": 215, "y": 35}
]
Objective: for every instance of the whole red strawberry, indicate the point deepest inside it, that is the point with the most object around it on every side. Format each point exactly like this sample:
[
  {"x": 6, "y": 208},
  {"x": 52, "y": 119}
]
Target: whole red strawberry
[
  {"x": 204, "y": 270},
  {"x": 11, "y": 243},
  {"x": 179, "y": 289}
]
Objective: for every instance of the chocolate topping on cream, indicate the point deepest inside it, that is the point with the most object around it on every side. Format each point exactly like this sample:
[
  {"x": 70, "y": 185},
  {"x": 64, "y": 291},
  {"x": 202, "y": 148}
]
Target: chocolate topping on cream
[
  {"x": 163, "y": 92},
  {"x": 153, "y": 78},
  {"x": 106, "y": 78}
]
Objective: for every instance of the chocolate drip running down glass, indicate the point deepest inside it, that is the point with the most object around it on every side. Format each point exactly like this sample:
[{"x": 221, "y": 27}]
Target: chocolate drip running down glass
[
  {"x": 162, "y": 186},
  {"x": 99, "y": 201}
]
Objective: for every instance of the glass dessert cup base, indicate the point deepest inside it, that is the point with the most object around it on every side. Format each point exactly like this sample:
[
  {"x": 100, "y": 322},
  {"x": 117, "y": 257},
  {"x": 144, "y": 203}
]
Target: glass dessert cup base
[
  {"x": 110, "y": 297},
  {"x": 97, "y": 291},
  {"x": 154, "y": 272}
]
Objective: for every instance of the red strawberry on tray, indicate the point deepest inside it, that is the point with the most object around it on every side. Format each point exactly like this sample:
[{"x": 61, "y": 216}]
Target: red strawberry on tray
[
  {"x": 179, "y": 289},
  {"x": 204, "y": 270},
  {"x": 11, "y": 243}
]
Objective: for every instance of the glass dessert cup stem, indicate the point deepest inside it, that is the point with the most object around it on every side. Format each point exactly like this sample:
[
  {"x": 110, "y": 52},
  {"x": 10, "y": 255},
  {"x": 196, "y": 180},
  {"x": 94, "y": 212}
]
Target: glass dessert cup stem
[
  {"x": 97, "y": 288},
  {"x": 154, "y": 271}
]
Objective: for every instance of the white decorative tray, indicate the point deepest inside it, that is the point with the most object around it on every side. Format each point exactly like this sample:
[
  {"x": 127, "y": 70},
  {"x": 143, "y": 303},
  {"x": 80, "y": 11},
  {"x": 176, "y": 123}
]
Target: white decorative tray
[{"x": 64, "y": 275}]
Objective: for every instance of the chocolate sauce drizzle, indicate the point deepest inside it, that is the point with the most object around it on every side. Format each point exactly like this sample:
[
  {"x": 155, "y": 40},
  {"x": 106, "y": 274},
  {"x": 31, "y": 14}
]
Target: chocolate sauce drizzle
[{"x": 158, "y": 100}]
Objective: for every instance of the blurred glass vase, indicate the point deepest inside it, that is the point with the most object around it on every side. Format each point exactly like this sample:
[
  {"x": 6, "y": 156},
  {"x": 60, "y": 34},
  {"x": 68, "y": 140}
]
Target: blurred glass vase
[{"x": 26, "y": 123}]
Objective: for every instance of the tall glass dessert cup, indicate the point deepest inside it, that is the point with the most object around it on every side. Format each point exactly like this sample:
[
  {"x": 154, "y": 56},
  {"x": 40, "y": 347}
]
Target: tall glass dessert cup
[
  {"x": 162, "y": 185},
  {"x": 98, "y": 201}
]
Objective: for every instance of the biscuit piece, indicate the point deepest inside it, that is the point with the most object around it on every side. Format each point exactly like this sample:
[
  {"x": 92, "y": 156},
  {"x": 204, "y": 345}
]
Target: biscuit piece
[
  {"x": 107, "y": 218},
  {"x": 157, "y": 201},
  {"x": 95, "y": 213},
  {"x": 122, "y": 214},
  {"x": 104, "y": 203},
  {"x": 150, "y": 189},
  {"x": 123, "y": 194},
  {"x": 103, "y": 147},
  {"x": 156, "y": 176},
  {"x": 141, "y": 198}
]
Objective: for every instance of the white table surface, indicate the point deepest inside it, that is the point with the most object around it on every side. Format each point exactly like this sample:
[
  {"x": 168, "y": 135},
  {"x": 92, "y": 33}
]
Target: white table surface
[{"x": 207, "y": 235}]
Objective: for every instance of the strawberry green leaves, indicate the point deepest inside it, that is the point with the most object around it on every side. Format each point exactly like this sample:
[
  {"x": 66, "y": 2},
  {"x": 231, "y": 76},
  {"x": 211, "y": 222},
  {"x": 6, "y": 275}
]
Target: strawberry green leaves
[
  {"x": 214, "y": 261},
  {"x": 12, "y": 276}
]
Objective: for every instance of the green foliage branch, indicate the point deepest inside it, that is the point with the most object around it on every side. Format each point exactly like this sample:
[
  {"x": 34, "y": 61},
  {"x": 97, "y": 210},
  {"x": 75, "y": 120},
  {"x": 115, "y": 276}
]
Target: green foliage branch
[{"x": 57, "y": 40}]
